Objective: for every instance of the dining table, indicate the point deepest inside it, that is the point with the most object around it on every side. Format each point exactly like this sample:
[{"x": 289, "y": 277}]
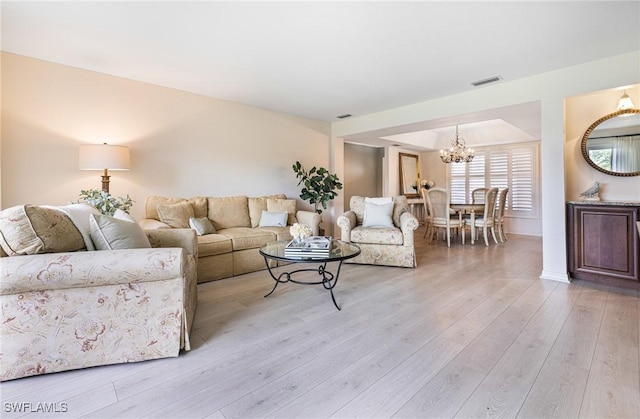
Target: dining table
[{"x": 469, "y": 209}]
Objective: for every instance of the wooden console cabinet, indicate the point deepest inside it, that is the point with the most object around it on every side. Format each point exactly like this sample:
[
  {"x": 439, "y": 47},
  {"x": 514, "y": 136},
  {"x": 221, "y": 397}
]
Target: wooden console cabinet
[{"x": 603, "y": 243}]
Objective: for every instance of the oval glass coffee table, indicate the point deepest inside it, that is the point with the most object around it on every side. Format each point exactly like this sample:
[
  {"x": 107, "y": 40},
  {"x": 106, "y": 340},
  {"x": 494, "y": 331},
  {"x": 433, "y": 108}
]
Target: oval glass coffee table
[{"x": 340, "y": 251}]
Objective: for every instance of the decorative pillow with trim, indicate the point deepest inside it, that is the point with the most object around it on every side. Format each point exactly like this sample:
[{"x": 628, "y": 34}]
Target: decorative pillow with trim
[
  {"x": 30, "y": 230},
  {"x": 202, "y": 225},
  {"x": 118, "y": 232},
  {"x": 274, "y": 219},
  {"x": 79, "y": 215},
  {"x": 377, "y": 215}
]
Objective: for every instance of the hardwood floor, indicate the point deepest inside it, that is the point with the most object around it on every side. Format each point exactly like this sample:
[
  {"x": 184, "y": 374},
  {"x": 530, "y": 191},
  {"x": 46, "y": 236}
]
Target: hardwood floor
[{"x": 471, "y": 332}]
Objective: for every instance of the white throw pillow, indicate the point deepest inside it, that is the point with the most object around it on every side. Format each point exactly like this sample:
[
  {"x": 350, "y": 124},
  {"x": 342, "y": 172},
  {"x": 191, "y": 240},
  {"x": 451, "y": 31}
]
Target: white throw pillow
[
  {"x": 201, "y": 225},
  {"x": 379, "y": 201},
  {"x": 273, "y": 219},
  {"x": 377, "y": 215},
  {"x": 117, "y": 232}
]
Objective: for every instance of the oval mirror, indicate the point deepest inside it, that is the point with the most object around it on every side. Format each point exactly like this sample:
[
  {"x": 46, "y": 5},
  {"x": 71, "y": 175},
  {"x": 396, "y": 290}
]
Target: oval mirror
[
  {"x": 612, "y": 143},
  {"x": 409, "y": 175}
]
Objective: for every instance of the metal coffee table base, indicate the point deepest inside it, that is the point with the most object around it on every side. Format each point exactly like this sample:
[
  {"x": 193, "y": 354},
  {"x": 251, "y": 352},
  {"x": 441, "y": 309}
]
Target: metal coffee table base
[{"x": 328, "y": 280}]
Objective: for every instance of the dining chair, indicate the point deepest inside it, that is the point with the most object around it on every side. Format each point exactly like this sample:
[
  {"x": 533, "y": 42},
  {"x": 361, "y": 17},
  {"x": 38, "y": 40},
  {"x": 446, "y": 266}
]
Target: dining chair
[
  {"x": 428, "y": 213},
  {"x": 499, "y": 218},
  {"x": 485, "y": 221},
  {"x": 439, "y": 200},
  {"x": 478, "y": 194}
]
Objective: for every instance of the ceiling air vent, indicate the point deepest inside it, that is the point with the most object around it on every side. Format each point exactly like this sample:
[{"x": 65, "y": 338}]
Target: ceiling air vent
[
  {"x": 346, "y": 115},
  {"x": 486, "y": 81}
]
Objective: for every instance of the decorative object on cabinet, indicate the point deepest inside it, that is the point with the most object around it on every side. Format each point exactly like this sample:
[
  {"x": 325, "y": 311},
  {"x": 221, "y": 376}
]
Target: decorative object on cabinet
[
  {"x": 591, "y": 194},
  {"x": 602, "y": 242},
  {"x": 103, "y": 157},
  {"x": 611, "y": 145}
]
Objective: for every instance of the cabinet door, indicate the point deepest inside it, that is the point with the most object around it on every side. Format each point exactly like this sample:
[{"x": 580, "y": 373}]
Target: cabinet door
[{"x": 605, "y": 243}]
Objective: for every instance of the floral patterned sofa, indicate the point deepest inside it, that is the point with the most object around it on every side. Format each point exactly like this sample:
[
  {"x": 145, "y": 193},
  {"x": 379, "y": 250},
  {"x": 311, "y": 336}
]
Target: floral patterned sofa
[
  {"x": 64, "y": 310},
  {"x": 387, "y": 239}
]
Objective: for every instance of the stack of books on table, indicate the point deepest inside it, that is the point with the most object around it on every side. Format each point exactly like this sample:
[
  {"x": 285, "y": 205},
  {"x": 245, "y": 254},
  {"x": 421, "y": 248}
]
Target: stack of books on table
[{"x": 314, "y": 247}]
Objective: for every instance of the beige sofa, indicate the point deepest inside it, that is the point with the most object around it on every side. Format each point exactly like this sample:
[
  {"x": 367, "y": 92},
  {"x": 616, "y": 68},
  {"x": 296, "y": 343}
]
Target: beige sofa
[
  {"x": 390, "y": 245},
  {"x": 232, "y": 249},
  {"x": 75, "y": 309}
]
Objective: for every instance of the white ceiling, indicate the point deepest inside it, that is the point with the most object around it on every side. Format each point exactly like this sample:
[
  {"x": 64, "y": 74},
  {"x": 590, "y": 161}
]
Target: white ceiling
[{"x": 321, "y": 59}]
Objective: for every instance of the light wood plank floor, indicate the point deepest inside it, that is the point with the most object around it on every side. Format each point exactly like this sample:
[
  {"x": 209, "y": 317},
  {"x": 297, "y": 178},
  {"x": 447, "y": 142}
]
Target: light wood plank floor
[{"x": 472, "y": 332}]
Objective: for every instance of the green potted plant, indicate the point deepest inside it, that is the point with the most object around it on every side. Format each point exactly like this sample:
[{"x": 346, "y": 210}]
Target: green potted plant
[
  {"x": 319, "y": 186},
  {"x": 104, "y": 201}
]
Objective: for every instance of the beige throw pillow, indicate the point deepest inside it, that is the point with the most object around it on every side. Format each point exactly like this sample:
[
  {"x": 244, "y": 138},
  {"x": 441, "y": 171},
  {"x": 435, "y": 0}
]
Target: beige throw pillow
[
  {"x": 227, "y": 212},
  {"x": 259, "y": 204},
  {"x": 152, "y": 202},
  {"x": 256, "y": 206},
  {"x": 117, "y": 232},
  {"x": 29, "y": 230},
  {"x": 283, "y": 205},
  {"x": 176, "y": 215}
]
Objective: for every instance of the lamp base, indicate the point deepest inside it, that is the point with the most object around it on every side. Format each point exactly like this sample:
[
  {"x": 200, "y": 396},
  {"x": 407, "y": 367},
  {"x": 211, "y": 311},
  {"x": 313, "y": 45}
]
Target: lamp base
[{"x": 105, "y": 181}]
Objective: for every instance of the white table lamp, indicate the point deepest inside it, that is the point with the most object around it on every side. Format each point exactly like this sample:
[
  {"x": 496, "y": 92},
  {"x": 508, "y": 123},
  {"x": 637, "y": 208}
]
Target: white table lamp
[{"x": 103, "y": 157}]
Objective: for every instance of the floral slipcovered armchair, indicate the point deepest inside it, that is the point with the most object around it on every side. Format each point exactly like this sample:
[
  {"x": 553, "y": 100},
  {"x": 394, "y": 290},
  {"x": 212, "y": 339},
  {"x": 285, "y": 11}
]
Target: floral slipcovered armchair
[
  {"x": 385, "y": 237},
  {"x": 64, "y": 307}
]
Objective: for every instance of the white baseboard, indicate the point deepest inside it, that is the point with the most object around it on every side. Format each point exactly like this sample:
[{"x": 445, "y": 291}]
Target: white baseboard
[{"x": 556, "y": 276}]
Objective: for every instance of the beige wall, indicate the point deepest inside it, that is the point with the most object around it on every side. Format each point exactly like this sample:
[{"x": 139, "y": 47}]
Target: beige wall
[
  {"x": 581, "y": 112},
  {"x": 181, "y": 144},
  {"x": 362, "y": 171}
]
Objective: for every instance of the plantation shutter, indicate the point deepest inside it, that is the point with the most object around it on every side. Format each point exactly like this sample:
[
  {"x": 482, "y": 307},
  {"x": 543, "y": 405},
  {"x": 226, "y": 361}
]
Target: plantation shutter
[
  {"x": 499, "y": 170},
  {"x": 476, "y": 168},
  {"x": 458, "y": 183},
  {"x": 522, "y": 181},
  {"x": 512, "y": 167}
]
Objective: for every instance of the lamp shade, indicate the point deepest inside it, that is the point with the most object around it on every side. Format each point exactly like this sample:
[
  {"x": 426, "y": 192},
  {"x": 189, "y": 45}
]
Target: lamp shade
[
  {"x": 625, "y": 102},
  {"x": 103, "y": 156}
]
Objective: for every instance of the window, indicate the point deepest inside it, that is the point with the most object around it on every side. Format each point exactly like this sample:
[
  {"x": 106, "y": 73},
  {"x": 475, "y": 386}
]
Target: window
[{"x": 509, "y": 166}]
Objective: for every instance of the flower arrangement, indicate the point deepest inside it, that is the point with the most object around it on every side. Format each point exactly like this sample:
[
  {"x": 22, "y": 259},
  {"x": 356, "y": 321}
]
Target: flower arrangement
[
  {"x": 300, "y": 231},
  {"x": 427, "y": 184},
  {"x": 104, "y": 202}
]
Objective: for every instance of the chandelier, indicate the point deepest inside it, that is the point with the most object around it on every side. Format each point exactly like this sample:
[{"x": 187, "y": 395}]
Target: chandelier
[{"x": 457, "y": 152}]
